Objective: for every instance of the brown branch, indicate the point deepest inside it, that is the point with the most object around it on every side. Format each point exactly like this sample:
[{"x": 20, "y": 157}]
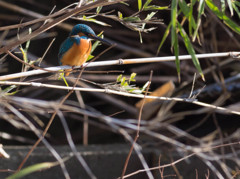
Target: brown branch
[
  {"x": 138, "y": 129},
  {"x": 56, "y": 22}
]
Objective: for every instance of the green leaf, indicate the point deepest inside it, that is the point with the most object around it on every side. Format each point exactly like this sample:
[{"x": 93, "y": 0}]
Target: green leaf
[
  {"x": 125, "y": 84},
  {"x": 190, "y": 50},
  {"x": 119, "y": 78},
  {"x": 237, "y": 3},
  {"x": 120, "y": 16},
  {"x": 200, "y": 13},
  {"x": 147, "y": 3},
  {"x": 187, "y": 11},
  {"x": 122, "y": 2},
  {"x": 99, "y": 8},
  {"x": 90, "y": 57},
  {"x": 165, "y": 35},
  {"x": 226, "y": 20},
  {"x": 95, "y": 44},
  {"x": 24, "y": 53},
  {"x": 31, "y": 169},
  {"x": 174, "y": 37},
  {"x": 223, "y": 6},
  {"x": 8, "y": 89},
  {"x": 123, "y": 81},
  {"x": 191, "y": 20},
  {"x": 95, "y": 21},
  {"x": 139, "y": 5},
  {"x": 154, "y": 7},
  {"x": 236, "y": 9},
  {"x": 61, "y": 76},
  {"x": 173, "y": 20},
  {"x": 176, "y": 53},
  {"x": 184, "y": 7},
  {"x": 28, "y": 42},
  {"x": 133, "y": 75}
]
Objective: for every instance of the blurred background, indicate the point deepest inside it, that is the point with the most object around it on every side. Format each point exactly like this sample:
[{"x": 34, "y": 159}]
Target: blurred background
[{"x": 138, "y": 33}]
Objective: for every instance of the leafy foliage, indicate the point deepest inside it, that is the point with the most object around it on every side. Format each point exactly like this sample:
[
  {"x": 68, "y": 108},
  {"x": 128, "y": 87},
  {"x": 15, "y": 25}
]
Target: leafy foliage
[{"x": 124, "y": 84}]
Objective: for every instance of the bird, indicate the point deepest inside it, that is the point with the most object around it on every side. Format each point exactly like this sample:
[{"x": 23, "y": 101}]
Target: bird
[{"x": 74, "y": 51}]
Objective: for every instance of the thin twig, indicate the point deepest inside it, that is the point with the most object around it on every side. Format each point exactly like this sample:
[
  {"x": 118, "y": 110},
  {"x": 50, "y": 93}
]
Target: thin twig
[
  {"x": 137, "y": 132},
  {"x": 179, "y": 160},
  {"x": 73, "y": 147},
  {"x": 109, "y": 91},
  {"x": 40, "y": 61},
  {"x": 56, "y": 22},
  {"x": 119, "y": 62},
  {"x": 34, "y": 129}
]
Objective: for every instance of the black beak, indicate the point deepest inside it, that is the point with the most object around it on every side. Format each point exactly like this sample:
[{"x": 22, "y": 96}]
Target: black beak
[{"x": 100, "y": 39}]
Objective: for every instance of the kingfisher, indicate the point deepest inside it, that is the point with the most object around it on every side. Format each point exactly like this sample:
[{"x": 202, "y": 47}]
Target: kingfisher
[{"x": 74, "y": 51}]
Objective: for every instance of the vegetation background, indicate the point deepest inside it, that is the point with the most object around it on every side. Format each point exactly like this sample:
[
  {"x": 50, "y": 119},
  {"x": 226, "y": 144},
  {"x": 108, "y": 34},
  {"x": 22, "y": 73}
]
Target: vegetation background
[{"x": 197, "y": 110}]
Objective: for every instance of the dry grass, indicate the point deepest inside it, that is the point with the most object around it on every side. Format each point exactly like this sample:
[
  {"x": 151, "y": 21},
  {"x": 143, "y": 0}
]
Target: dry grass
[{"x": 197, "y": 119}]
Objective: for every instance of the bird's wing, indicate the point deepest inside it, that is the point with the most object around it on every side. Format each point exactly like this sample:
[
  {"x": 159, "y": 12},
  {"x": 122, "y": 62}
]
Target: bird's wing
[{"x": 65, "y": 46}]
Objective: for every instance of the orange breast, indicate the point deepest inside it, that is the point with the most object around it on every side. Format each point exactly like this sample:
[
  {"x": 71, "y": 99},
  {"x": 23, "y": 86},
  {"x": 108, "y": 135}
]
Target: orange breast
[{"x": 77, "y": 54}]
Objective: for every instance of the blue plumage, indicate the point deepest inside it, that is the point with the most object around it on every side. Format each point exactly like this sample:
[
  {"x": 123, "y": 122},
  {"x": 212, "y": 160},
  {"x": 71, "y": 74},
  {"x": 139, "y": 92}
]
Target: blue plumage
[
  {"x": 75, "y": 50},
  {"x": 66, "y": 45},
  {"x": 74, "y": 38},
  {"x": 83, "y": 29}
]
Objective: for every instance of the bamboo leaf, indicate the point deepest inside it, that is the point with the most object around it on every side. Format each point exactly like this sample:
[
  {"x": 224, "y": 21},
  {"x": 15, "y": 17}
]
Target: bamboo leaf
[
  {"x": 184, "y": 7},
  {"x": 176, "y": 53},
  {"x": 191, "y": 19},
  {"x": 154, "y": 7},
  {"x": 173, "y": 20},
  {"x": 165, "y": 35},
  {"x": 236, "y": 9},
  {"x": 187, "y": 11},
  {"x": 200, "y": 13},
  {"x": 231, "y": 24},
  {"x": 139, "y": 5},
  {"x": 31, "y": 169},
  {"x": 174, "y": 37},
  {"x": 190, "y": 50},
  {"x": 147, "y": 3}
]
